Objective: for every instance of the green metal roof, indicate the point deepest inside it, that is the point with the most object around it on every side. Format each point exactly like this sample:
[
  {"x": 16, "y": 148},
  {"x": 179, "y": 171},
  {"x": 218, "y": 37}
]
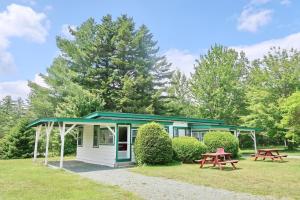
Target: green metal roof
[
  {"x": 228, "y": 127},
  {"x": 87, "y": 121},
  {"x": 150, "y": 117},
  {"x": 130, "y": 118}
]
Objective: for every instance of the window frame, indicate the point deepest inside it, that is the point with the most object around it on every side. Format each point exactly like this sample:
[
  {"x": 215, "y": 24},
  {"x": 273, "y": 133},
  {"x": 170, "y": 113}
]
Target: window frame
[{"x": 113, "y": 136}]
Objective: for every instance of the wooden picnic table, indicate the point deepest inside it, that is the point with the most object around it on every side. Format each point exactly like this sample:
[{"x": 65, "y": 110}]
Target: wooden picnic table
[
  {"x": 268, "y": 153},
  {"x": 219, "y": 159}
]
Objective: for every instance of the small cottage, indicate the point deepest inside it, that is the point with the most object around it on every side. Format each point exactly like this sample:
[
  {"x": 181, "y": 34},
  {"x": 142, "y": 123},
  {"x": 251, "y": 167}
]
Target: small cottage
[{"x": 107, "y": 138}]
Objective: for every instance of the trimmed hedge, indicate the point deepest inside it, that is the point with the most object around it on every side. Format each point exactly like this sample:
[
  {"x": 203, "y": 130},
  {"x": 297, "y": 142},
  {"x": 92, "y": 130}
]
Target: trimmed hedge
[
  {"x": 152, "y": 145},
  {"x": 219, "y": 139},
  {"x": 187, "y": 149}
]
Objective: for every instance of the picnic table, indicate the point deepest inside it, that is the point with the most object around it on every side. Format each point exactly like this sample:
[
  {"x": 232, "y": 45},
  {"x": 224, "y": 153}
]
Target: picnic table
[
  {"x": 219, "y": 159},
  {"x": 273, "y": 154}
]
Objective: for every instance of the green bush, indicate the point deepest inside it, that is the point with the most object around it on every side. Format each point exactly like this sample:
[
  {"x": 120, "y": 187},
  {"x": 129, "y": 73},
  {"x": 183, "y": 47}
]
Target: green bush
[
  {"x": 187, "y": 149},
  {"x": 152, "y": 145},
  {"x": 219, "y": 139}
]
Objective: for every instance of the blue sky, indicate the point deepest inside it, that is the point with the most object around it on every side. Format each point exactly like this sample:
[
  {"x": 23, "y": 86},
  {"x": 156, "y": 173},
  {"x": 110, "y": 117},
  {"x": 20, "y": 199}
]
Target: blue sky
[{"x": 183, "y": 29}]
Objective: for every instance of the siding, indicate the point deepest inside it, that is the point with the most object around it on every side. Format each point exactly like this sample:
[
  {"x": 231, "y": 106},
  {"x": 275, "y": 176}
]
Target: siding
[{"x": 104, "y": 155}]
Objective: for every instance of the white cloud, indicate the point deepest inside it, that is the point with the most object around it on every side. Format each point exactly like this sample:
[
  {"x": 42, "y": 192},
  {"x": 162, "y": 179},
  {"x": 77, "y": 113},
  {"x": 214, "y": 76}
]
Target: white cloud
[
  {"x": 19, "y": 88},
  {"x": 285, "y": 2},
  {"x": 31, "y": 2},
  {"x": 251, "y": 20},
  {"x": 65, "y": 31},
  {"x": 182, "y": 60},
  {"x": 40, "y": 81},
  {"x": 258, "y": 50},
  {"x": 15, "y": 89},
  {"x": 257, "y": 2},
  {"x": 23, "y": 22}
]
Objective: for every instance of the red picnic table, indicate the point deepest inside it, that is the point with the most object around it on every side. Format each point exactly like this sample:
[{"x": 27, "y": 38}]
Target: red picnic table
[
  {"x": 268, "y": 153},
  {"x": 218, "y": 158}
]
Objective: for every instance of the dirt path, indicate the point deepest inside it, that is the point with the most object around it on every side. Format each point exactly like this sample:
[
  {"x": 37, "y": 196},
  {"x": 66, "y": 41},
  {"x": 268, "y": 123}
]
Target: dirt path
[{"x": 162, "y": 188}]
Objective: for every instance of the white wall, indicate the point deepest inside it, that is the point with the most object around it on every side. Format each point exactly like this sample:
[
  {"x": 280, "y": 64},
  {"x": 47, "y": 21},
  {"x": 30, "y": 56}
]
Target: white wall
[{"x": 104, "y": 155}]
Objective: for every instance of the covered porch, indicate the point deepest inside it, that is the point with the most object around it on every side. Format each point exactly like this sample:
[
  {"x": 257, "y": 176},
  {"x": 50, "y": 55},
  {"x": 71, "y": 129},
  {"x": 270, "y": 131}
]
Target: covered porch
[{"x": 65, "y": 126}]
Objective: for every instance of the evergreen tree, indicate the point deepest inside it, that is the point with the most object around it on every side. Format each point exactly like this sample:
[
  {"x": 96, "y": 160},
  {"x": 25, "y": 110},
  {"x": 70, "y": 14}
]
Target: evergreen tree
[
  {"x": 181, "y": 98},
  {"x": 118, "y": 63},
  {"x": 10, "y": 112},
  {"x": 19, "y": 142}
]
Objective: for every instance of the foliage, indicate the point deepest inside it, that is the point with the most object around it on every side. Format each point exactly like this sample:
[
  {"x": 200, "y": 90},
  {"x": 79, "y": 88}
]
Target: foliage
[
  {"x": 291, "y": 117},
  {"x": 219, "y": 139},
  {"x": 181, "y": 97},
  {"x": 187, "y": 149},
  {"x": 271, "y": 79},
  {"x": 112, "y": 62},
  {"x": 19, "y": 143},
  {"x": 10, "y": 112},
  {"x": 218, "y": 84},
  {"x": 152, "y": 145}
]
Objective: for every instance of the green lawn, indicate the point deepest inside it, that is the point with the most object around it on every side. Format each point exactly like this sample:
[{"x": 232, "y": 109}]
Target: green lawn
[
  {"x": 281, "y": 149},
  {"x": 280, "y": 179},
  {"x": 25, "y": 180}
]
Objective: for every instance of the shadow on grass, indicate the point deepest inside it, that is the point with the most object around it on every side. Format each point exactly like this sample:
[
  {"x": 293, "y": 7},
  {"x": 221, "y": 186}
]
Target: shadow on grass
[{"x": 271, "y": 161}]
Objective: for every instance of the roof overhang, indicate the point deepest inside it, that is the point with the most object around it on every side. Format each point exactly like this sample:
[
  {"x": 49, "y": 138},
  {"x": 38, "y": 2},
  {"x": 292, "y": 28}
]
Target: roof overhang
[
  {"x": 90, "y": 121},
  {"x": 225, "y": 127},
  {"x": 150, "y": 117}
]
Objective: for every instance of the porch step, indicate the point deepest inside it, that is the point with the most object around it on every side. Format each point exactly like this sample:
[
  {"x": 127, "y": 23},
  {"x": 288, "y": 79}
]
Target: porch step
[{"x": 124, "y": 164}]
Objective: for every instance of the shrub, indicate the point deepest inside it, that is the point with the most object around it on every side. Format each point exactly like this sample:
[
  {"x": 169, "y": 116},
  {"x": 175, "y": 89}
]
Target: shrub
[
  {"x": 152, "y": 145},
  {"x": 218, "y": 139},
  {"x": 187, "y": 149}
]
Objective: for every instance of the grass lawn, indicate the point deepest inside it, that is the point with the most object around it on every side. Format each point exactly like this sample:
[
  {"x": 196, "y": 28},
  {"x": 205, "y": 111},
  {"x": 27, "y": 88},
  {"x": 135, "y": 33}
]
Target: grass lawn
[
  {"x": 279, "y": 179},
  {"x": 281, "y": 149},
  {"x": 25, "y": 180}
]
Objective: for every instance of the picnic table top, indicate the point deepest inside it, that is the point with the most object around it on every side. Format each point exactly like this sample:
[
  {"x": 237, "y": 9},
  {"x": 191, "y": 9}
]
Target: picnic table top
[
  {"x": 216, "y": 154},
  {"x": 268, "y": 150}
]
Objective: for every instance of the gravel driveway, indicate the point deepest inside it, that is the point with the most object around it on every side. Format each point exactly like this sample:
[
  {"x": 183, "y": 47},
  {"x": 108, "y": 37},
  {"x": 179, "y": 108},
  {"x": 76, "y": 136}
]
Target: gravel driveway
[{"x": 154, "y": 188}]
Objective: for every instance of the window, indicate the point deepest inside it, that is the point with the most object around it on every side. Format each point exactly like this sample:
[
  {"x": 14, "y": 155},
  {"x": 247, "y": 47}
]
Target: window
[
  {"x": 80, "y": 136},
  {"x": 198, "y": 135},
  {"x": 178, "y": 132},
  {"x": 106, "y": 136},
  {"x": 166, "y": 129},
  {"x": 103, "y": 136},
  {"x": 133, "y": 135},
  {"x": 96, "y": 136}
]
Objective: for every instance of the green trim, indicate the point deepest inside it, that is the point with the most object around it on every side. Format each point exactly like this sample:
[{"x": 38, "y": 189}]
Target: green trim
[
  {"x": 229, "y": 127},
  {"x": 150, "y": 117},
  {"x": 117, "y": 141},
  {"x": 83, "y": 120},
  {"x": 124, "y": 160}
]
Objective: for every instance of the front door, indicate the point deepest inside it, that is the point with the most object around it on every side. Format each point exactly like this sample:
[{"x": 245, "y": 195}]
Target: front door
[{"x": 123, "y": 143}]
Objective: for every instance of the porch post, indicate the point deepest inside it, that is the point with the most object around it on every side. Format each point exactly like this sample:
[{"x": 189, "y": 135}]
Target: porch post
[
  {"x": 63, "y": 132},
  {"x": 48, "y": 131},
  {"x": 62, "y": 139},
  {"x": 37, "y": 135},
  {"x": 254, "y": 140}
]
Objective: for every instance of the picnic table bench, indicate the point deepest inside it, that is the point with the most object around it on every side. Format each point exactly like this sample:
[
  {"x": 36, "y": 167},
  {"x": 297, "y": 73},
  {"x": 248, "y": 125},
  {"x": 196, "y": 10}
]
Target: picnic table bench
[{"x": 273, "y": 154}]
